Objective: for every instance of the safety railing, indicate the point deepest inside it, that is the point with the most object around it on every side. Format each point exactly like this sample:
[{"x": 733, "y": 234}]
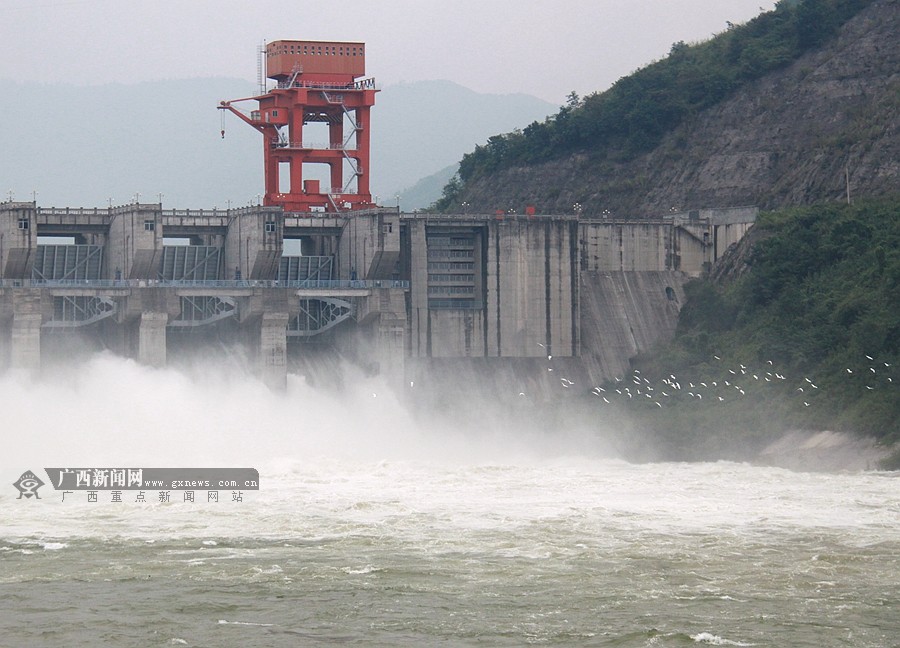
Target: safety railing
[
  {"x": 313, "y": 146},
  {"x": 73, "y": 211},
  {"x": 318, "y": 284},
  {"x": 361, "y": 84}
]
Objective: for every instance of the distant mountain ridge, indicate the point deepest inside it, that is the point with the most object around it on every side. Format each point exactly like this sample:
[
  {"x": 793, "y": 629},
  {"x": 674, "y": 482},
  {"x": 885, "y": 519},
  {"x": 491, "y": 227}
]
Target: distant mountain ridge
[
  {"x": 423, "y": 127},
  {"x": 426, "y": 191},
  {"x": 88, "y": 146},
  {"x": 793, "y": 136}
]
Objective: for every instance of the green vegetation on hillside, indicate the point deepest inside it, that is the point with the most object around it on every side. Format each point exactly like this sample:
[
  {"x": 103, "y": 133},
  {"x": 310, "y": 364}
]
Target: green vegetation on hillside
[
  {"x": 638, "y": 110},
  {"x": 808, "y": 339}
]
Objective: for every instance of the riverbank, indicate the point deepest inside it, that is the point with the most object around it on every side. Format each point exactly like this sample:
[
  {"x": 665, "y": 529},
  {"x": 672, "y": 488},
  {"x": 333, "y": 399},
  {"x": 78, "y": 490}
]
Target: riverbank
[{"x": 825, "y": 451}]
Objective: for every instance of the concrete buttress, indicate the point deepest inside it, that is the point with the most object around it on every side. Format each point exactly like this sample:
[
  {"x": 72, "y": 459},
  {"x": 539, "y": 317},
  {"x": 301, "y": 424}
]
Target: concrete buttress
[
  {"x": 26, "y": 341},
  {"x": 152, "y": 339},
  {"x": 273, "y": 349}
]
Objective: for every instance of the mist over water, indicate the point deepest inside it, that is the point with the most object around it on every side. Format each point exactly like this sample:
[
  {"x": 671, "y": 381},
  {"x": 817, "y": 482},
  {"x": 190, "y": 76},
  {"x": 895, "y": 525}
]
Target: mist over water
[
  {"x": 110, "y": 409},
  {"x": 380, "y": 522}
]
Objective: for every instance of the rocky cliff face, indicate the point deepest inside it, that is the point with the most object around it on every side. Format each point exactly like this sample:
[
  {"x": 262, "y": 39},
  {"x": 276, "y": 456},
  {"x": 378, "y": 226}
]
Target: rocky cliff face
[{"x": 789, "y": 138}]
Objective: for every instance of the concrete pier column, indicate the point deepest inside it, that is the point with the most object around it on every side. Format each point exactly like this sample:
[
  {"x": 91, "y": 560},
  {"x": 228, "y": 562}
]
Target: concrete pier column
[
  {"x": 390, "y": 344},
  {"x": 152, "y": 339},
  {"x": 273, "y": 349},
  {"x": 25, "y": 351}
]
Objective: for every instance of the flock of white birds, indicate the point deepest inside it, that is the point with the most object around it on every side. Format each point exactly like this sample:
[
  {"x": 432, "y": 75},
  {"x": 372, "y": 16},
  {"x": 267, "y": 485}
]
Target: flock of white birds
[{"x": 732, "y": 383}]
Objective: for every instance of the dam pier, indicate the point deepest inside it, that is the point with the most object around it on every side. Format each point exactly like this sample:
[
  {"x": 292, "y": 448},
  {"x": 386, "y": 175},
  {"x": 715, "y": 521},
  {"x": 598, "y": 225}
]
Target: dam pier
[{"x": 490, "y": 292}]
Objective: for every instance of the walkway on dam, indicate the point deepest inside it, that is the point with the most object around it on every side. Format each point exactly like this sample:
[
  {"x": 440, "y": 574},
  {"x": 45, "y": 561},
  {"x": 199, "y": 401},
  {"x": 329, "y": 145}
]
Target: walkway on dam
[{"x": 323, "y": 285}]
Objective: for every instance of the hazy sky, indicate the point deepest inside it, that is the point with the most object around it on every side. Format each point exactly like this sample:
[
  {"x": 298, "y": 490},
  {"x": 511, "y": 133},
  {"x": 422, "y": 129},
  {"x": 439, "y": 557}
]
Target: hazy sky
[{"x": 546, "y": 49}]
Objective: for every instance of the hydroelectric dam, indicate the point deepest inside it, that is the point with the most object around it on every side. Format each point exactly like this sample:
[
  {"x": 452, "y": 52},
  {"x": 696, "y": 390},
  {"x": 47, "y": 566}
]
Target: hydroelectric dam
[
  {"x": 496, "y": 293},
  {"x": 482, "y": 299}
]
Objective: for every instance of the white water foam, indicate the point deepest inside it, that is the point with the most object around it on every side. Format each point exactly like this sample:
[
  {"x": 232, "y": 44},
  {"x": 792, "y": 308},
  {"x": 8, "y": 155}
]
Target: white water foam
[
  {"x": 715, "y": 640},
  {"x": 421, "y": 530},
  {"x": 328, "y": 458}
]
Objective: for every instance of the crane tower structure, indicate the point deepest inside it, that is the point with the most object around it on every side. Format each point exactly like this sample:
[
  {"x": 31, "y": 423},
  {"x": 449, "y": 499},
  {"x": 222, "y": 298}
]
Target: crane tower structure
[{"x": 317, "y": 82}]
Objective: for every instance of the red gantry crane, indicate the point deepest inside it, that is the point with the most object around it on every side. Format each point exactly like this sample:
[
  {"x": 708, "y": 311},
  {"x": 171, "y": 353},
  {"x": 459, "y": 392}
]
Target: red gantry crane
[{"x": 316, "y": 82}]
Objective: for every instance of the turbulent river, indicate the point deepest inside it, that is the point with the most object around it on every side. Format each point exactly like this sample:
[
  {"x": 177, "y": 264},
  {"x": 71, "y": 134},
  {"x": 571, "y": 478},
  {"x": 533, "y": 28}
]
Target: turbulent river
[{"x": 374, "y": 528}]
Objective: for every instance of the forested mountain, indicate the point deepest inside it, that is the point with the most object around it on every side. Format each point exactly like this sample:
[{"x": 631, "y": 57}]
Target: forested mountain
[
  {"x": 796, "y": 112},
  {"x": 780, "y": 111},
  {"x": 798, "y": 329}
]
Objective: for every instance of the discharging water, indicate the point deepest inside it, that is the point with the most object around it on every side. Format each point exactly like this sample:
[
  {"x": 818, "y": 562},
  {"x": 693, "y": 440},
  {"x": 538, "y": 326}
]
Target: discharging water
[{"x": 369, "y": 530}]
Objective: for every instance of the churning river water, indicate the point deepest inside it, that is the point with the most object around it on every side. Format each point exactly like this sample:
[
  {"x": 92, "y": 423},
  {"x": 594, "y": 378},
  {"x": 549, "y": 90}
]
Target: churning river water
[{"x": 368, "y": 531}]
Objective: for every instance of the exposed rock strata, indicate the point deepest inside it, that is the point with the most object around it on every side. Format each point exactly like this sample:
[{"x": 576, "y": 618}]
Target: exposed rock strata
[{"x": 787, "y": 139}]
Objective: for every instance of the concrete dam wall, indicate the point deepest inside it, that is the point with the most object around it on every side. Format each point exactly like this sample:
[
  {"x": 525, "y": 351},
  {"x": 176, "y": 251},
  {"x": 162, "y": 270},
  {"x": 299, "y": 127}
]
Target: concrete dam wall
[
  {"x": 486, "y": 301},
  {"x": 620, "y": 315},
  {"x": 626, "y": 313}
]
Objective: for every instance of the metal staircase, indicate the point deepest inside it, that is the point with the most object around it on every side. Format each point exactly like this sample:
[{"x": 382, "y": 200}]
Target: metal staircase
[{"x": 355, "y": 166}]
